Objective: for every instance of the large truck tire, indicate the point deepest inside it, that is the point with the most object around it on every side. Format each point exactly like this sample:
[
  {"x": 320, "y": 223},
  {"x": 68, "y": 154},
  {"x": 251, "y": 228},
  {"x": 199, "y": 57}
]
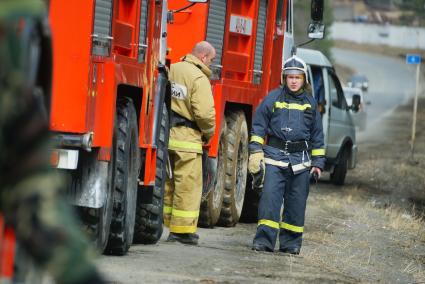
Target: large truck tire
[
  {"x": 211, "y": 206},
  {"x": 125, "y": 172},
  {"x": 340, "y": 169},
  {"x": 96, "y": 221},
  {"x": 149, "y": 211},
  {"x": 236, "y": 168}
]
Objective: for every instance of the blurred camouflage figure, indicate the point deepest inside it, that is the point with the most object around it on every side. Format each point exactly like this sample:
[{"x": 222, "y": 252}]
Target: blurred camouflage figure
[{"x": 29, "y": 190}]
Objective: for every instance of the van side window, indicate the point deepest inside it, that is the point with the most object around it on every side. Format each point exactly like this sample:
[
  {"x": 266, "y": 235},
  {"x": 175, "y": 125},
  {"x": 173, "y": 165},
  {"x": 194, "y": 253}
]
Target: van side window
[{"x": 336, "y": 93}]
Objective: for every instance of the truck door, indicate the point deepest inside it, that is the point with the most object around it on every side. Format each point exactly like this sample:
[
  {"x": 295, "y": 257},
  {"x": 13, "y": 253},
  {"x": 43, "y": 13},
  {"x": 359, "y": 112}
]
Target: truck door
[
  {"x": 340, "y": 124},
  {"x": 237, "y": 54}
]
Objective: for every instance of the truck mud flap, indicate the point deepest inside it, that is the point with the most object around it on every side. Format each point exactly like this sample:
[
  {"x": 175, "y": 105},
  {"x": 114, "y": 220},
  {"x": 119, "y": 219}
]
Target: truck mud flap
[{"x": 89, "y": 183}]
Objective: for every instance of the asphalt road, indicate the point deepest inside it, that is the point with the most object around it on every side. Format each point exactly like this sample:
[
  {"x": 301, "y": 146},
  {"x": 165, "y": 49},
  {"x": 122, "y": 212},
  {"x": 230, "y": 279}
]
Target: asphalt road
[
  {"x": 391, "y": 80},
  {"x": 224, "y": 254}
]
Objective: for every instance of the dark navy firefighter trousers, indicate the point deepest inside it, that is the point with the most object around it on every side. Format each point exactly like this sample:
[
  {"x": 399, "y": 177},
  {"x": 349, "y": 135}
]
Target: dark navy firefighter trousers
[{"x": 281, "y": 185}]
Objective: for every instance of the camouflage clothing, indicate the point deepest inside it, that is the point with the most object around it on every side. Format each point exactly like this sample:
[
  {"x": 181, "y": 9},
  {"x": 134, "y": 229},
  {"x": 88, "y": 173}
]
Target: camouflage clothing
[{"x": 29, "y": 190}]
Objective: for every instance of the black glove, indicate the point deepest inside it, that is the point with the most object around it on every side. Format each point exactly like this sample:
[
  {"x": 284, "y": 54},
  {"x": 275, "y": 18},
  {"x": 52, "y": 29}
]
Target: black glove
[
  {"x": 258, "y": 179},
  {"x": 314, "y": 177}
]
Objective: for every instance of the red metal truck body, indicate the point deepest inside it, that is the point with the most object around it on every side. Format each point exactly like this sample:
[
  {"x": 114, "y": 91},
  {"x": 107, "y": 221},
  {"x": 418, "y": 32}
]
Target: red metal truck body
[
  {"x": 237, "y": 49},
  {"x": 86, "y": 84},
  {"x": 107, "y": 53},
  {"x": 248, "y": 36}
]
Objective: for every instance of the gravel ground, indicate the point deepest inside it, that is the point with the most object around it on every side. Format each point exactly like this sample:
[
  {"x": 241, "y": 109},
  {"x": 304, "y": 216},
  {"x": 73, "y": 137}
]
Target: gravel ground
[{"x": 369, "y": 230}]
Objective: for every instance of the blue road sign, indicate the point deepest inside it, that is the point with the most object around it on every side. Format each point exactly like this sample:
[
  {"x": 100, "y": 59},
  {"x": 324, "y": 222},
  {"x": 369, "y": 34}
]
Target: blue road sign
[{"x": 413, "y": 59}]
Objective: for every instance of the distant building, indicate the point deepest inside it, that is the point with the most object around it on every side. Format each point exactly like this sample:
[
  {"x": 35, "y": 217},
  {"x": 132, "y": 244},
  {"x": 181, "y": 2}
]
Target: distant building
[
  {"x": 383, "y": 4},
  {"x": 343, "y": 11}
]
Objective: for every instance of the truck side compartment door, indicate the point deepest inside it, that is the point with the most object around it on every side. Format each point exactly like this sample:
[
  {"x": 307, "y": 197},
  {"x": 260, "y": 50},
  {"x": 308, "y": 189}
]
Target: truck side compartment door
[
  {"x": 259, "y": 44},
  {"x": 215, "y": 30},
  {"x": 143, "y": 25}
]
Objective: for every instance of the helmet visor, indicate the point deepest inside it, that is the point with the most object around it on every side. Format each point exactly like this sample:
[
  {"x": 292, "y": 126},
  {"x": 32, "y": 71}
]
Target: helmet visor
[{"x": 293, "y": 72}]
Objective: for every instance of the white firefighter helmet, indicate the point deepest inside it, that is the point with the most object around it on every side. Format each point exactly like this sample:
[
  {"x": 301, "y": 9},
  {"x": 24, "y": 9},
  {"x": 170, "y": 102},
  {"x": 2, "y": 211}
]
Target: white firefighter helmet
[{"x": 295, "y": 65}]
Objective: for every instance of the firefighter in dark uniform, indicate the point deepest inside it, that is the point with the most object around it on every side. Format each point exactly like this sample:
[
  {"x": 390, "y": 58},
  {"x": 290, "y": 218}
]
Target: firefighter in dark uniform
[{"x": 286, "y": 146}]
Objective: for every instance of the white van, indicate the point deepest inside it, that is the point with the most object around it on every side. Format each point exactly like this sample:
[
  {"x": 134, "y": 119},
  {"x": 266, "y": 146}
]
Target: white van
[{"x": 338, "y": 126}]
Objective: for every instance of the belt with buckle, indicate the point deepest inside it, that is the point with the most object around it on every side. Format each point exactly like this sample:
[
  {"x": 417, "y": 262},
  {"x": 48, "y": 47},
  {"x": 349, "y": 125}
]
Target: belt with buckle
[
  {"x": 288, "y": 146},
  {"x": 178, "y": 120}
]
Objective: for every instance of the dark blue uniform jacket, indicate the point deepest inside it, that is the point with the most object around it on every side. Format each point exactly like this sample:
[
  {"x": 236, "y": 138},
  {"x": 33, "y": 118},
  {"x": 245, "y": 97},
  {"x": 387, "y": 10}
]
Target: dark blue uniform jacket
[{"x": 293, "y": 118}]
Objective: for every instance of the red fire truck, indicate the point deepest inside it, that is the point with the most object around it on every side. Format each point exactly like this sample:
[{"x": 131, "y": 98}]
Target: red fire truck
[
  {"x": 109, "y": 115},
  {"x": 250, "y": 38},
  {"x": 7, "y": 251}
]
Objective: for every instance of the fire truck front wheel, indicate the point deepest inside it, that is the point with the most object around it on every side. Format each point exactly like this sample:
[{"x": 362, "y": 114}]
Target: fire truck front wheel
[
  {"x": 126, "y": 159},
  {"x": 236, "y": 168}
]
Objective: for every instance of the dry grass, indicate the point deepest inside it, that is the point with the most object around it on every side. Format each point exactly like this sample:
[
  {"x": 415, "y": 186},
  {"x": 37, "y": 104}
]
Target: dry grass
[
  {"x": 350, "y": 235},
  {"x": 319, "y": 237},
  {"x": 406, "y": 222}
]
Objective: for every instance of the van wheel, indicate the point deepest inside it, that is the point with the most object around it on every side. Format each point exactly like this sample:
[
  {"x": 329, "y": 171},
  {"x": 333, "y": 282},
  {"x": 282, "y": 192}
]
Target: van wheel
[
  {"x": 127, "y": 163},
  {"x": 340, "y": 170},
  {"x": 211, "y": 207},
  {"x": 236, "y": 168},
  {"x": 149, "y": 217}
]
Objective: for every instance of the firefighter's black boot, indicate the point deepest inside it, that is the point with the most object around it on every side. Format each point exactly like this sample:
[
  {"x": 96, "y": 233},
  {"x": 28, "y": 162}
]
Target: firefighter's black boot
[
  {"x": 260, "y": 247},
  {"x": 188, "y": 239},
  {"x": 294, "y": 251}
]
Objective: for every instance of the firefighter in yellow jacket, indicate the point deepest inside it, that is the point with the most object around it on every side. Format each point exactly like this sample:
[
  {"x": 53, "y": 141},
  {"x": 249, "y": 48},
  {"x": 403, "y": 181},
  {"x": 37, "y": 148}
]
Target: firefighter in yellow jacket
[{"x": 192, "y": 125}]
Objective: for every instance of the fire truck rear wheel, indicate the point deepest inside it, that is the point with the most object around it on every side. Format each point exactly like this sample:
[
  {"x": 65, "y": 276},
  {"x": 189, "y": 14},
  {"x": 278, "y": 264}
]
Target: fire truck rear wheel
[
  {"x": 236, "y": 168},
  {"x": 126, "y": 157},
  {"x": 340, "y": 170},
  {"x": 211, "y": 207},
  {"x": 96, "y": 222},
  {"x": 149, "y": 218}
]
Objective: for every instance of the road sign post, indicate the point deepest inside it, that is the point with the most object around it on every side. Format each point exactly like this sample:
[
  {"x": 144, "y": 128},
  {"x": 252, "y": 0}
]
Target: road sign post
[{"x": 414, "y": 59}]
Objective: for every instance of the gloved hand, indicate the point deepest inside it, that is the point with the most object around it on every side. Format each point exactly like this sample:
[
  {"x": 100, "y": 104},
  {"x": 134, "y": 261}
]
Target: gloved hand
[
  {"x": 315, "y": 174},
  {"x": 258, "y": 179},
  {"x": 257, "y": 167},
  {"x": 316, "y": 170},
  {"x": 255, "y": 161}
]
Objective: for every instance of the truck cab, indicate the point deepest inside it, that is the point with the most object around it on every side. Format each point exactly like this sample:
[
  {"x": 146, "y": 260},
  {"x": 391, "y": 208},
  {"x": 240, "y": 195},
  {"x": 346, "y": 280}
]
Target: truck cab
[{"x": 338, "y": 125}]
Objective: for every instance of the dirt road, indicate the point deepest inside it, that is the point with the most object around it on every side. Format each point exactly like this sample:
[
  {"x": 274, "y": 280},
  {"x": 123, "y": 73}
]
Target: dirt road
[
  {"x": 367, "y": 231},
  {"x": 362, "y": 232}
]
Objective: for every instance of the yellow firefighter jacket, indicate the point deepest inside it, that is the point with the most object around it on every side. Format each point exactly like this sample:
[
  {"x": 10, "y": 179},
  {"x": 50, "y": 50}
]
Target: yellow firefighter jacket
[{"x": 192, "y": 99}]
